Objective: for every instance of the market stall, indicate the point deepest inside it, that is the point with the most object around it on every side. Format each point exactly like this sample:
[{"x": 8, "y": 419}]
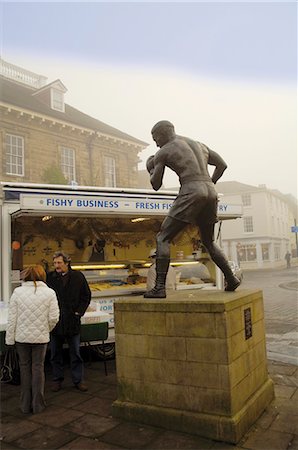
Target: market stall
[{"x": 108, "y": 233}]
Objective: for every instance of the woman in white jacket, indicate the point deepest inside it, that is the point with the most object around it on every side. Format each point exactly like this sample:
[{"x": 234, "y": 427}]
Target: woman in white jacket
[{"x": 33, "y": 313}]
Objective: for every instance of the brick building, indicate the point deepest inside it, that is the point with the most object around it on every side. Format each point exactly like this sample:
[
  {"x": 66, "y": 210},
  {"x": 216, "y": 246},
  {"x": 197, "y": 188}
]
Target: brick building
[{"x": 43, "y": 139}]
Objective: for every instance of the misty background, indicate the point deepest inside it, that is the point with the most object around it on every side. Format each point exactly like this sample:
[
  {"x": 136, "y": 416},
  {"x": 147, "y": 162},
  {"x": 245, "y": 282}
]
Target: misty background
[{"x": 224, "y": 73}]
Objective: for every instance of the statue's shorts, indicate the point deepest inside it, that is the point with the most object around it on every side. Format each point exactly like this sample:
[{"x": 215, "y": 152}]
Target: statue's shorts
[{"x": 199, "y": 207}]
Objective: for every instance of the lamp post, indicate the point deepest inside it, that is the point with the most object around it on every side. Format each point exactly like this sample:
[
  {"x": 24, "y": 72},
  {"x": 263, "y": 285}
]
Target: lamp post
[{"x": 296, "y": 237}]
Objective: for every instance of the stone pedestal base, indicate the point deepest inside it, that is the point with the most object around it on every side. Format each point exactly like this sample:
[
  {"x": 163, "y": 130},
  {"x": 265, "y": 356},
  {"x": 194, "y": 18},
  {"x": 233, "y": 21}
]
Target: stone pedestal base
[{"x": 195, "y": 362}]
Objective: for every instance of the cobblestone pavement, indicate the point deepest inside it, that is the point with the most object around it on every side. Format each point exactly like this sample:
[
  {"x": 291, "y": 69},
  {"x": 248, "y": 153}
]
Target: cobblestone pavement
[
  {"x": 75, "y": 420},
  {"x": 280, "y": 294},
  {"x": 83, "y": 421}
]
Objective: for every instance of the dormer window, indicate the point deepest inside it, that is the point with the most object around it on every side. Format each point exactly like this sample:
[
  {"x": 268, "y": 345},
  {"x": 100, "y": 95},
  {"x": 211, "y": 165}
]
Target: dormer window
[
  {"x": 57, "y": 100},
  {"x": 52, "y": 95}
]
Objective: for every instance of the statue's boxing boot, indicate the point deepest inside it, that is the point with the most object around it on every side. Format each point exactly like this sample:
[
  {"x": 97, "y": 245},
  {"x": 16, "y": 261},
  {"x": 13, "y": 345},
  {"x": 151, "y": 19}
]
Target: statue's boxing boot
[
  {"x": 232, "y": 283},
  {"x": 159, "y": 290},
  {"x": 156, "y": 292}
]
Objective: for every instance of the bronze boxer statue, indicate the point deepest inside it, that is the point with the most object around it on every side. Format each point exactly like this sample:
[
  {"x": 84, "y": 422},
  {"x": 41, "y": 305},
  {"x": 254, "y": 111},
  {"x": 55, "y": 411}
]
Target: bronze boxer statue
[{"x": 195, "y": 204}]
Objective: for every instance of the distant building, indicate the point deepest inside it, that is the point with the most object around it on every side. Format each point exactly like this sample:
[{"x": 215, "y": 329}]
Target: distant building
[
  {"x": 43, "y": 139},
  {"x": 144, "y": 179},
  {"x": 263, "y": 235}
]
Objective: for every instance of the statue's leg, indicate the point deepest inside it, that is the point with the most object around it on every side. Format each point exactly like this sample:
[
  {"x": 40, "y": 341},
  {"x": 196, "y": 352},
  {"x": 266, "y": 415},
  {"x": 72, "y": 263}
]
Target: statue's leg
[
  {"x": 169, "y": 229},
  {"x": 217, "y": 255}
]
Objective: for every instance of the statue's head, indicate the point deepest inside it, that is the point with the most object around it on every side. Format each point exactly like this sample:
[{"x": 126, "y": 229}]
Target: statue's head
[{"x": 162, "y": 132}]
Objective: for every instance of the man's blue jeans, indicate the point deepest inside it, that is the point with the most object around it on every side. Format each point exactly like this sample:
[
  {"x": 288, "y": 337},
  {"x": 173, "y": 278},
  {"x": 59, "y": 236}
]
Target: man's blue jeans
[{"x": 76, "y": 361}]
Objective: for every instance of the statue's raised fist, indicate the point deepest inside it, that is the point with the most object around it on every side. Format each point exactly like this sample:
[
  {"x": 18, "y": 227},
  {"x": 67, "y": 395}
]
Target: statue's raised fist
[{"x": 150, "y": 163}]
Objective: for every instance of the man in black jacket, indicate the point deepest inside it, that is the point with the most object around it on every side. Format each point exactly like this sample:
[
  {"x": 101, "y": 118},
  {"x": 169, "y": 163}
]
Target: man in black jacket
[{"x": 74, "y": 296}]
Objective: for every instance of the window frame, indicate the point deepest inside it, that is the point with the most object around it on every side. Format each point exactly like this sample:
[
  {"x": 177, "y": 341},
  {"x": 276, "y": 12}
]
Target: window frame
[
  {"x": 64, "y": 164},
  {"x": 277, "y": 251},
  {"x": 246, "y": 199},
  {"x": 57, "y": 104},
  {"x": 247, "y": 253},
  {"x": 109, "y": 171},
  {"x": 247, "y": 224},
  {"x": 265, "y": 249},
  {"x": 9, "y": 155}
]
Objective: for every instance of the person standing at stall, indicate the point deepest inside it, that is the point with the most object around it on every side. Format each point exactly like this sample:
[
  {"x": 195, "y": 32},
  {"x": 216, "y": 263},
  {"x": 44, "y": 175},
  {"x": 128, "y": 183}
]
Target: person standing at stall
[
  {"x": 74, "y": 296},
  {"x": 33, "y": 313}
]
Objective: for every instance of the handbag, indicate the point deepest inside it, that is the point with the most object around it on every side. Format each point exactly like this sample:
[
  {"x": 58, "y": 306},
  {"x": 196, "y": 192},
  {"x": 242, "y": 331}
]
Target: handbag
[{"x": 10, "y": 370}]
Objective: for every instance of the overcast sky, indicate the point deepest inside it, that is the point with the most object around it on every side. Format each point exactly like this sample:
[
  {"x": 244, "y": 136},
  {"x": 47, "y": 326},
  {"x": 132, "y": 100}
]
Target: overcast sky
[{"x": 224, "y": 73}]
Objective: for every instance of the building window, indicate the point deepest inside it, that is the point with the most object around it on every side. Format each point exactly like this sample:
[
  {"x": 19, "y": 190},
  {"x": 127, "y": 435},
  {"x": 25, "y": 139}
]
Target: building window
[
  {"x": 273, "y": 224},
  {"x": 265, "y": 252},
  {"x": 278, "y": 226},
  {"x": 14, "y": 155},
  {"x": 110, "y": 171},
  {"x": 57, "y": 100},
  {"x": 246, "y": 199},
  {"x": 68, "y": 163},
  {"x": 247, "y": 252},
  {"x": 248, "y": 224},
  {"x": 277, "y": 252}
]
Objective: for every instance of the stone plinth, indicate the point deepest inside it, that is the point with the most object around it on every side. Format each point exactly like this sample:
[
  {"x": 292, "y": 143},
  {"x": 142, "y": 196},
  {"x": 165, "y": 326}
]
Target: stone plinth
[{"x": 195, "y": 362}]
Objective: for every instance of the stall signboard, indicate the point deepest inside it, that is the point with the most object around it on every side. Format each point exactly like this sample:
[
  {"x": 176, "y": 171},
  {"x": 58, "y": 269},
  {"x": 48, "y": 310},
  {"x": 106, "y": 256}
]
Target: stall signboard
[
  {"x": 105, "y": 305},
  {"x": 96, "y": 317},
  {"x": 110, "y": 204},
  {"x": 104, "y": 311},
  {"x": 95, "y": 204}
]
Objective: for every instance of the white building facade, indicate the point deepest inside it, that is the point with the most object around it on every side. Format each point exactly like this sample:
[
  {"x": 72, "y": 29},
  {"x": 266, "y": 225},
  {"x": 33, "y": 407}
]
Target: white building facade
[{"x": 261, "y": 238}]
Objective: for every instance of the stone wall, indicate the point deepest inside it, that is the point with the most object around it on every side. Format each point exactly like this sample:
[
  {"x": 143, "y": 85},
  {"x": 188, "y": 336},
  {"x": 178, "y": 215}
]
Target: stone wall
[
  {"x": 189, "y": 362},
  {"x": 42, "y": 149}
]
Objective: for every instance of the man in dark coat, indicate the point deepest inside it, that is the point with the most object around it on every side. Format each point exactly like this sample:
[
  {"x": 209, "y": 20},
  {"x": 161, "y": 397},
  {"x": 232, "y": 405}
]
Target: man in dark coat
[{"x": 74, "y": 296}]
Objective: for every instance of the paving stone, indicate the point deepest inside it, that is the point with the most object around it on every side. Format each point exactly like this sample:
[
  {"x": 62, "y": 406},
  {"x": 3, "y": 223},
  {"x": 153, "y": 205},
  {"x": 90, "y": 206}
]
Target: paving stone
[
  {"x": 96, "y": 405},
  {"x": 267, "y": 440},
  {"x": 70, "y": 398},
  {"x": 170, "y": 440},
  {"x": 224, "y": 446},
  {"x": 45, "y": 437},
  {"x": 83, "y": 443},
  {"x": 11, "y": 405},
  {"x": 49, "y": 395},
  {"x": 281, "y": 369},
  {"x": 98, "y": 372},
  {"x": 286, "y": 406},
  {"x": 91, "y": 425},
  {"x": 7, "y": 446},
  {"x": 94, "y": 386},
  {"x": 131, "y": 435},
  {"x": 276, "y": 328},
  {"x": 56, "y": 416},
  {"x": 267, "y": 417},
  {"x": 75, "y": 420},
  {"x": 295, "y": 397},
  {"x": 8, "y": 391},
  {"x": 284, "y": 380},
  {"x": 284, "y": 391},
  {"x": 10, "y": 388},
  {"x": 109, "y": 392},
  {"x": 12, "y": 428},
  {"x": 293, "y": 445},
  {"x": 282, "y": 423}
]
